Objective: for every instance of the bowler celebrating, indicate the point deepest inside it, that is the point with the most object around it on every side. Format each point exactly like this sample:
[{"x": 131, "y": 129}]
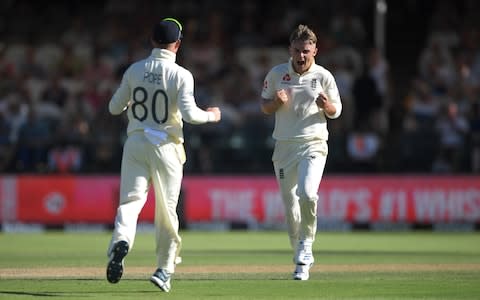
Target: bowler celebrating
[{"x": 302, "y": 95}]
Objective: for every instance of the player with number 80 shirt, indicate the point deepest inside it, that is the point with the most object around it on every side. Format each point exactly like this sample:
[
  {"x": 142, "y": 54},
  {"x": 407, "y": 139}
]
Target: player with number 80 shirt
[{"x": 157, "y": 95}]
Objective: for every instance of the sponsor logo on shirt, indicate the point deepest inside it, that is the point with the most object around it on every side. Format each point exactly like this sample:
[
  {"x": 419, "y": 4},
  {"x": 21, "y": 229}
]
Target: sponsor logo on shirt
[
  {"x": 286, "y": 77},
  {"x": 314, "y": 84}
]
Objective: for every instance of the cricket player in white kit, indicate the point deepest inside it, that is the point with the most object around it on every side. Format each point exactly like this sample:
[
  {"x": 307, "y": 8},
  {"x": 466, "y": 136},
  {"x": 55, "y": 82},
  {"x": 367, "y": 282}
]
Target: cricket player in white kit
[
  {"x": 156, "y": 94},
  {"x": 302, "y": 95}
]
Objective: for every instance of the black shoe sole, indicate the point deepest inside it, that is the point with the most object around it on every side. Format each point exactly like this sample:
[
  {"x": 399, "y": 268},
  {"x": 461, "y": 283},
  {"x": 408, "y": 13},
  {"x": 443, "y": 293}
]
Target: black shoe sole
[{"x": 115, "y": 265}]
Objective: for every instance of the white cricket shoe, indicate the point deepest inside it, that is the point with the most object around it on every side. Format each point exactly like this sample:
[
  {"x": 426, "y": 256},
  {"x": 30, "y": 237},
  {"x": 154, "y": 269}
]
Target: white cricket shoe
[
  {"x": 303, "y": 260},
  {"x": 303, "y": 253},
  {"x": 302, "y": 272},
  {"x": 161, "y": 278}
]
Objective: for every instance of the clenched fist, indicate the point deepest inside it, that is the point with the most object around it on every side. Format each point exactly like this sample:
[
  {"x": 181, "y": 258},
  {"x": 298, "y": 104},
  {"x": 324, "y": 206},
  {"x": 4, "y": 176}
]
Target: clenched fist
[
  {"x": 216, "y": 112},
  {"x": 281, "y": 96},
  {"x": 324, "y": 103}
]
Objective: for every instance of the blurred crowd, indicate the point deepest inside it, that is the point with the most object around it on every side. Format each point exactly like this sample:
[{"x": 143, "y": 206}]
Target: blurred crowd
[{"x": 60, "y": 62}]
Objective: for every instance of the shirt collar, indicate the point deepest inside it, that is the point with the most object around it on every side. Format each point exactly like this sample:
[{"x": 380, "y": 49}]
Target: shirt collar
[{"x": 164, "y": 54}]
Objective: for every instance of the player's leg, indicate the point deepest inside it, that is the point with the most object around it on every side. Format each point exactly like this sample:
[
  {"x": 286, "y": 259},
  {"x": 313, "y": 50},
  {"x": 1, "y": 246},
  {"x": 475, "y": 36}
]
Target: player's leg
[
  {"x": 133, "y": 195},
  {"x": 133, "y": 189},
  {"x": 167, "y": 178},
  {"x": 284, "y": 162},
  {"x": 287, "y": 182},
  {"x": 310, "y": 169},
  {"x": 310, "y": 174}
]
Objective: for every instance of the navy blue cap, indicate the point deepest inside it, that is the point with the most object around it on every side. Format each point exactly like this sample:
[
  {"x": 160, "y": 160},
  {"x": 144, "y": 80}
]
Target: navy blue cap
[{"x": 167, "y": 31}]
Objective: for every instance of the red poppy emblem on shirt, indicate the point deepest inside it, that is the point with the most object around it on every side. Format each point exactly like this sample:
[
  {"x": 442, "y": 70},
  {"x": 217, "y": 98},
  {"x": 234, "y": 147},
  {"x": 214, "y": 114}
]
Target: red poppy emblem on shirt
[{"x": 286, "y": 77}]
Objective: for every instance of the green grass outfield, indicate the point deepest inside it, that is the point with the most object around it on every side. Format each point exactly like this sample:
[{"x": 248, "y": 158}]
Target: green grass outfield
[{"x": 246, "y": 265}]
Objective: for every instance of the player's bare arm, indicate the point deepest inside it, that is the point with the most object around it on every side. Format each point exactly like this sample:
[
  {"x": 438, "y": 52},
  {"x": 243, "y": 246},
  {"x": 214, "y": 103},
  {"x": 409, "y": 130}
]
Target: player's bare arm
[
  {"x": 269, "y": 106},
  {"x": 324, "y": 103}
]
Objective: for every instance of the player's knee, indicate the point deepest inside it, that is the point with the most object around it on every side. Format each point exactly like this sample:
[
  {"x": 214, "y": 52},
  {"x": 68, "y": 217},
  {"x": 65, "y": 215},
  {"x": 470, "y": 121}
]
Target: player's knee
[
  {"x": 306, "y": 195},
  {"x": 309, "y": 210},
  {"x": 132, "y": 199}
]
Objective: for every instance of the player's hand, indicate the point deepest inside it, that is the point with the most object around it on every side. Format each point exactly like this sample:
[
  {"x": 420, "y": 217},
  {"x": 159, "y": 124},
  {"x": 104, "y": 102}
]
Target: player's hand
[
  {"x": 321, "y": 100},
  {"x": 324, "y": 103},
  {"x": 281, "y": 96},
  {"x": 217, "y": 113}
]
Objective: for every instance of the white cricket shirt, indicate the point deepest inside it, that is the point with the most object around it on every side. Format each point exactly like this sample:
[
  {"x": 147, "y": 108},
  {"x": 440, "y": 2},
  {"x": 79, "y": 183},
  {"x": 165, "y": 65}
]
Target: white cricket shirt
[
  {"x": 157, "y": 93},
  {"x": 300, "y": 119}
]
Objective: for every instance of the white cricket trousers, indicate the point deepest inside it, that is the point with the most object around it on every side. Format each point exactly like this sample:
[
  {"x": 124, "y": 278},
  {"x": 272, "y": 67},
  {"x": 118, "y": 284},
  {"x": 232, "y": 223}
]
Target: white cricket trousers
[
  {"x": 142, "y": 164},
  {"x": 299, "y": 169}
]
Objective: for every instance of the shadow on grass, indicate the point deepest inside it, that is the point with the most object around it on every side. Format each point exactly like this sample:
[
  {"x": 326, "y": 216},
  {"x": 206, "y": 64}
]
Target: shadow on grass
[
  {"x": 47, "y": 294},
  {"x": 70, "y": 294}
]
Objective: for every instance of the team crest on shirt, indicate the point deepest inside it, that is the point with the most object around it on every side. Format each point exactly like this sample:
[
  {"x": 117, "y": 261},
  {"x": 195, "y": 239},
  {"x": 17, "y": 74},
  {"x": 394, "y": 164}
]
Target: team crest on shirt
[{"x": 313, "y": 84}]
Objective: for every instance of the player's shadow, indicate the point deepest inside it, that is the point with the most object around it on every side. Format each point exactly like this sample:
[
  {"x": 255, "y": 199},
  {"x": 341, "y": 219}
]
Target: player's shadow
[{"x": 66, "y": 294}]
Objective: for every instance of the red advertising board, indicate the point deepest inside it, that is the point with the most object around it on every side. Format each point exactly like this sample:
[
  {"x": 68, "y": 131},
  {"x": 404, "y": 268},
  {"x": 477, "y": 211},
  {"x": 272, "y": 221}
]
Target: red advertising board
[
  {"x": 228, "y": 198},
  {"x": 364, "y": 199},
  {"x": 70, "y": 199},
  {"x": 65, "y": 199},
  {"x": 344, "y": 198}
]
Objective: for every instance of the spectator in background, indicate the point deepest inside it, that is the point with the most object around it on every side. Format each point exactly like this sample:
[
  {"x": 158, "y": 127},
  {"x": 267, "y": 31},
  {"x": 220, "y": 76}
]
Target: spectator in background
[
  {"x": 64, "y": 158},
  {"x": 7, "y": 146},
  {"x": 104, "y": 150},
  {"x": 474, "y": 137},
  {"x": 54, "y": 93},
  {"x": 443, "y": 26},
  {"x": 379, "y": 70},
  {"x": 69, "y": 65},
  {"x": 34, "y": 140},
  {"x": 78, "y": 35},
  {"x": 92, "y": 97},
  {"x": 7, "y": 68},
  {"x": 97, "y": 69},
  {"x": 367, "y": 99},
  {"x": 422, "y": 104},
  {"x": 72, "y": 137},
  {"x": 48, "y": 55},
  {"x": 347, "y": 28},
  {"x": 436, "y": 65},
  {"x": 417, "y": 144},
  {"x": 345, "y": 79},
  {"x": 15, "y": 110},
  {"x": 248, "y": 35},
  {"x": 453, "y": 130},
  {"x": 7, "y": 72},
  {"x": 29, "y": 66}
]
